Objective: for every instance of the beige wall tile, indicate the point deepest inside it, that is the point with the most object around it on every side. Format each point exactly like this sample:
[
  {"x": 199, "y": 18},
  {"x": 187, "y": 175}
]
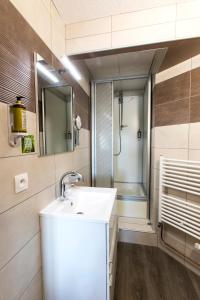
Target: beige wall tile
[
  {"x": 155, "y": 178},
  {"x": 173, "y": 71},
  {"x": 143, "y": 35},
  {"x": 175, "y": 238},
  {"x": 173, "y": 136},
  {"x": 194, "y": 137},
  {"x": 72, "y": 161},
  {"x": 86, "y": 172},
  {"x": 34, "y": 290},
  {"x": 38, "y": 13},
  {"x": 196, "y": 61},
  {"x": 168, "y": 153},
  {"x": 131, "y": 5},
  {"x": 67, "y": 31},
  {"x": 56, "y": 19},
  {"x": 89, "y": 43},
  {"x": 188, "y": 28},
  {"x": 191, "y": 252},
  {"x": 81, "y": 158},
  {"x": 19, "y": 224},
  {"x": 41, "y": 21},
  {"x": 5, "y": 149},
  {"x": 58, "y": 43},
  {"x": 41, "y": 173},
  {"x": 27, "y": 9},
  {"x": 188, "y": 10},
  {"x": 92, "y": 27},
  {"x": 142, "y": 18},
  {"x": 58, "y": 32},
  {"x": 194, "y": 154},
  {"x": 63, "y": 162},
  {"x": 47, "y": 3},
  {"x": 19, "y": 272}
]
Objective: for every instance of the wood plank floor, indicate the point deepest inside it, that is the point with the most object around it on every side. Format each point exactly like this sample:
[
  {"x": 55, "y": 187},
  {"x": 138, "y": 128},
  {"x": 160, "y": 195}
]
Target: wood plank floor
[{"x": 147, "y": 273}]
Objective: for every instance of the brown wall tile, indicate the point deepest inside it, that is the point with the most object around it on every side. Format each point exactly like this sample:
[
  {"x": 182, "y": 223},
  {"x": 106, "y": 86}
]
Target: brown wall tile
[
  {"x": 176, "y": 112},
  {"x": 18, "y": 42},
  {"x": 175, "y": 88},
  {"x": 195, "y": 82},
  {"x": 195, "y": 108}
]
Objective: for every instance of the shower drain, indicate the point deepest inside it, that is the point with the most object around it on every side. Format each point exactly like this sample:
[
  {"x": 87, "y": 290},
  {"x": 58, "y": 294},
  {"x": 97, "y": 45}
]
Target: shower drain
[{"x": 79, "y": 213}]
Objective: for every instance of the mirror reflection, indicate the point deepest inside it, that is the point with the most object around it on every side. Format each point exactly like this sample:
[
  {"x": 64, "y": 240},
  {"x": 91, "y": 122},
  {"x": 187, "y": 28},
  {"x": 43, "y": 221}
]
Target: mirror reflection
[{"x": 55, "y": 110}]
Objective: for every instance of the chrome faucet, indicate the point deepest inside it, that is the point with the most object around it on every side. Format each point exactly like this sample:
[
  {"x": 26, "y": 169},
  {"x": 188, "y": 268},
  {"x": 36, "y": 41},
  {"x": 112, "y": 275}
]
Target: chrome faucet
[{"x": 67, "y": 181}]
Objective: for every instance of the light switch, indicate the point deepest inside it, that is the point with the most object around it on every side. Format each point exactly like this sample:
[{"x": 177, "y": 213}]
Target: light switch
[{"x": 21, "y": 182}]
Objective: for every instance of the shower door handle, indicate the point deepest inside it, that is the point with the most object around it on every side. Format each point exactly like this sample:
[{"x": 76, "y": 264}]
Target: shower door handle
[{"x": 139, "y": 134}]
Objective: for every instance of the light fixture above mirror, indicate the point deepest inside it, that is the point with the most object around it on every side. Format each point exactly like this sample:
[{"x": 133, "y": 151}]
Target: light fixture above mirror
[{"x": 70, "y": 67}]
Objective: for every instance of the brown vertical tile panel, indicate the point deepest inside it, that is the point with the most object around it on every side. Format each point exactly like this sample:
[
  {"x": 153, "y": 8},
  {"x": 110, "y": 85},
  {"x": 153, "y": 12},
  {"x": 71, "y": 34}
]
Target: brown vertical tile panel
[
  {"x": 195, "y": 82},
  {"x": 18, "y": 42},
  {"x": 195, "y": 109},
  {"x": 176, "y": 112},
  {"x": 175, "y": 88}
]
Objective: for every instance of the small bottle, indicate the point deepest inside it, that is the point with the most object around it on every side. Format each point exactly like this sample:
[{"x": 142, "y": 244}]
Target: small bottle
[{"x": 19, "y": 116}]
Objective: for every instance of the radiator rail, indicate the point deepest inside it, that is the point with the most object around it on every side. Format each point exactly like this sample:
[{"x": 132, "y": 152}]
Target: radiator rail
[{"x": 180, "y": 176}]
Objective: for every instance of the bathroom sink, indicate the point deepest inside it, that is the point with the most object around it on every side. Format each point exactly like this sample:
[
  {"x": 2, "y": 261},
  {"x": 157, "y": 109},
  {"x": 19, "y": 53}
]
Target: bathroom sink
[
  {"x": 79, "y": 244},
  {"x": 86, "y": 203}
]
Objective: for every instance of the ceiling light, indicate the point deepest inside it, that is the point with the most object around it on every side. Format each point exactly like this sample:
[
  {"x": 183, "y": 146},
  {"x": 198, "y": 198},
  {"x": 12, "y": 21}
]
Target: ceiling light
[
  {"x": 47, "y": 73},
  {"x": 69, "y": 66}
]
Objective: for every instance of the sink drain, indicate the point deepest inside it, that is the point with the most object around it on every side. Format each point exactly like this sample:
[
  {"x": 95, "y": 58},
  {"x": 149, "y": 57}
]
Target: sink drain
[{"x": 79, "y": 213}]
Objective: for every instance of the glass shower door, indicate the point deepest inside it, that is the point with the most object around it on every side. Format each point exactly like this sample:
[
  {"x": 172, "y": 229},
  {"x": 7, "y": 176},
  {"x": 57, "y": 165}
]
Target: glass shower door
[{"x": 102, "y": 170}]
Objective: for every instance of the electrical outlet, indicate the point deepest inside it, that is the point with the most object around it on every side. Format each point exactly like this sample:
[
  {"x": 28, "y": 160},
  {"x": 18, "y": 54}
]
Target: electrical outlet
[{"x": 21, "y": 182}]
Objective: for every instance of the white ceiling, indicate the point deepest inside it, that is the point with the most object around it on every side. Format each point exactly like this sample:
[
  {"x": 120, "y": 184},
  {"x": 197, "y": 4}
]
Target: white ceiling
[
  {"x": 125, "y": 64},
  {"x": 81, "y": 10}
]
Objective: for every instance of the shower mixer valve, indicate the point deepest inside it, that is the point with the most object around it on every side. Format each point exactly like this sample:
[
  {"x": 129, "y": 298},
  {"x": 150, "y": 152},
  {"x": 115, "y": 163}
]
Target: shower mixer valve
[{"x": 139, "y": 134}]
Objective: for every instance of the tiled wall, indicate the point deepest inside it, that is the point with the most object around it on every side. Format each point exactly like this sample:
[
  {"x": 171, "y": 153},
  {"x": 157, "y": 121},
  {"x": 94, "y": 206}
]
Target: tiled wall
[
  {"x": 20, "y": 259},
  {"x": 149, "y": 22},
  {"x": 44, "y": 18},
  {"x": 176, "y": 118}
]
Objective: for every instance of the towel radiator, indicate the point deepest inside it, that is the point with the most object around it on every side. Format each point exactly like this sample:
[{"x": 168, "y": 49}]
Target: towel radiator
[{"x": 184, "y": 176}]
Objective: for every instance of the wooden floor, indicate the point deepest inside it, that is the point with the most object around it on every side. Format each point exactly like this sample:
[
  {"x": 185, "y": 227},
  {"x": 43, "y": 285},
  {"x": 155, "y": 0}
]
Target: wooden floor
[{"x": 147, "y": 273}]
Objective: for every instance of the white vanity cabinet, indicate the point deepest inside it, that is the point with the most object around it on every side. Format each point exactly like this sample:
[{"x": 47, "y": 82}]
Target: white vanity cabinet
[{"x": 79, "y": 246}]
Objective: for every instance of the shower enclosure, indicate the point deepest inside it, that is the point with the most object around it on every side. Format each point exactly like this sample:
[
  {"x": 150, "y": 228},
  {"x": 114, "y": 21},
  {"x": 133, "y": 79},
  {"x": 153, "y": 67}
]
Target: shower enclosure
[{"x": 121, "y": 117}]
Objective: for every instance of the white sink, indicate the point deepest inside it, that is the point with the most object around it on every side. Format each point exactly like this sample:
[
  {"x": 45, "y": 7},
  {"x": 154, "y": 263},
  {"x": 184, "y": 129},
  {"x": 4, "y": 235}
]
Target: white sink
[
  {"x": 79, "y": 245},
  {"x": 85, "y": 203}
]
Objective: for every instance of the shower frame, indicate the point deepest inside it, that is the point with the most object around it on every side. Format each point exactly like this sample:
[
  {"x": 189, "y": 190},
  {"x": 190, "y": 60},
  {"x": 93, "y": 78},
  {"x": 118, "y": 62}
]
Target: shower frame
[{"x": 93, "y": 136}]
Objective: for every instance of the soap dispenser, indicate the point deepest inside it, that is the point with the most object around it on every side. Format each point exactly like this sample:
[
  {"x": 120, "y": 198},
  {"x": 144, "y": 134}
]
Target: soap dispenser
[{"x": 19, "y": 116}]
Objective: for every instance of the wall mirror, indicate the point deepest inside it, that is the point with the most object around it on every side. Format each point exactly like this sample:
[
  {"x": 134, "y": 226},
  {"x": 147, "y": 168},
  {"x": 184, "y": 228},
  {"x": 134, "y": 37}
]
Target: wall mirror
[{"x": 55, "y": 109}]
